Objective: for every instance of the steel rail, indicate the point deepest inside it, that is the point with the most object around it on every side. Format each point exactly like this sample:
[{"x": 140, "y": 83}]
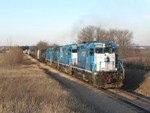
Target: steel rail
[{"x": 137, "y": 101}]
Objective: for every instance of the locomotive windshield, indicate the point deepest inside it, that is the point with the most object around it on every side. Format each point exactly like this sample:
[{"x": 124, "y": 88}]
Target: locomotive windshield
[
  {"x": 99, "y": 50},
  {"x": 110, "y": 50},
  {"x": 105, "y": 50},
  {"x": 74, "y": 51}
]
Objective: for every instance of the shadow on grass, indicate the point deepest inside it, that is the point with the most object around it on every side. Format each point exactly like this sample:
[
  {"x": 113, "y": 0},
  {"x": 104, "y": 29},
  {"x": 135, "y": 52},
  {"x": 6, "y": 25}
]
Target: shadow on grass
[
  {"x": 133, "y": 78},
  {"x": 79, "y": 105},
  {"x": 56, "y": 77}
]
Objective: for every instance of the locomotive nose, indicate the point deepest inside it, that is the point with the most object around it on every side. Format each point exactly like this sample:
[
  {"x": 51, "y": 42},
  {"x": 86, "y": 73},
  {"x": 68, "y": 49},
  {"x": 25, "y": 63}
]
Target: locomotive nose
[{"x": 107, "y": 59}]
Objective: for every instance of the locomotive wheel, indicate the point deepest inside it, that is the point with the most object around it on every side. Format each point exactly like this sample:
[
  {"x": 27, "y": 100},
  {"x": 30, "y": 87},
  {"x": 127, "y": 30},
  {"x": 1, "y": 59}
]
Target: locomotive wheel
[
  {"x": 70, "y": 70},
  {"x": 102, "y": 81},
  {"x": 117, "y": 81},
  {"x": 85, "y": 77},
  {"x": 94, "y": 79}
]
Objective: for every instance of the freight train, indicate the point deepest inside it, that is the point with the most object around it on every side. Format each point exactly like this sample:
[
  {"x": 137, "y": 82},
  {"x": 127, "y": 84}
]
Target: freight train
[{"x": 94, "y": 62}]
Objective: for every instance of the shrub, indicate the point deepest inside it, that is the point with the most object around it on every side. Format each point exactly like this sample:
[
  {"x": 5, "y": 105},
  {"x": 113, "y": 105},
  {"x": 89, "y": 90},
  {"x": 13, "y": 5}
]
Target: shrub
[{"x": 13, "y": 56}]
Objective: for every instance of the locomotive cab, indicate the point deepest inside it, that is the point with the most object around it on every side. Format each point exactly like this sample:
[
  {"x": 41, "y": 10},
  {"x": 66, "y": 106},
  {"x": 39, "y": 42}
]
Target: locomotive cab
[
  {"x": 101, "y": 57},
  {"x": 106, "y": 57}
]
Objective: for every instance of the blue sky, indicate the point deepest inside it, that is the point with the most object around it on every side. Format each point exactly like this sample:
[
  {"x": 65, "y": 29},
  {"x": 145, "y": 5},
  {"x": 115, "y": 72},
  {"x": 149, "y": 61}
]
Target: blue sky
[{"x": 26, "y": 22}]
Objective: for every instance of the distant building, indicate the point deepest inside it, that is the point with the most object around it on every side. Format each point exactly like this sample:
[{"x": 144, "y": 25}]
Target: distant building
[{"x": 142, "y": 47}]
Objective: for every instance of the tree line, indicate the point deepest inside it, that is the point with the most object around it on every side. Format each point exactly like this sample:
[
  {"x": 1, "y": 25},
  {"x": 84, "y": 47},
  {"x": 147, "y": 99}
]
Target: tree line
[{"x": 123, "y": 38}]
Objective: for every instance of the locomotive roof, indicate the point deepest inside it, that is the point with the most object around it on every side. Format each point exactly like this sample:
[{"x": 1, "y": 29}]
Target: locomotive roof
[{"x": 89, "y": 44}]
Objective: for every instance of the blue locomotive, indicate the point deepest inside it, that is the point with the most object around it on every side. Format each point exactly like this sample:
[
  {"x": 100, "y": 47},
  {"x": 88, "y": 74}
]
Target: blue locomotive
[{"x": 94, "y": 62}]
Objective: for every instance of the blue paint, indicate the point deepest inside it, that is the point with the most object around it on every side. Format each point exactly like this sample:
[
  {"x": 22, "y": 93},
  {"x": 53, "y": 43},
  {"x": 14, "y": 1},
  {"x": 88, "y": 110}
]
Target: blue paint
[{"x": 85, "y": 54}]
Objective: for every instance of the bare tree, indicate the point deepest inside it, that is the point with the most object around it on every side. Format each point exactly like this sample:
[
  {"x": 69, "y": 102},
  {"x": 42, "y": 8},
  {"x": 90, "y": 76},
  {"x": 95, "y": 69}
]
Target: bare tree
[
  {"x": 112, "y": 35},
  {"x": 102, "y": 35},
  {"x": 124, "y": 39},
  {"x": 9, "y": 42},
  {"x": 86, "y": 34},
  {"x": 42, "y": 45},
  {"x": 54, "y": 45},
  {"x": 121, "y": 37},
  {"x": 92, "y": 33}
]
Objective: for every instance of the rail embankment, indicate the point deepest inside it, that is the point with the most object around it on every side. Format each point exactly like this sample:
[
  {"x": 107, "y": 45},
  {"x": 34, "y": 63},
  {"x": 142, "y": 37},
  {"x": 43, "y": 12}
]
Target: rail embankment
[{"x": 137, "y": 73}]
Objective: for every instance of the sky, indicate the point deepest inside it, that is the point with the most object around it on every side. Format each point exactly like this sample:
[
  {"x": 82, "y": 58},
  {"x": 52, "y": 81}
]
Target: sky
[{"x": 26, "y": 22}]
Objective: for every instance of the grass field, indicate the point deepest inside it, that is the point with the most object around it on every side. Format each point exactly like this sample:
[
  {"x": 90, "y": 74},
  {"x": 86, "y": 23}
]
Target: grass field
[
  {"x": 27, "y": 89},
  {"x": 144, "y": 87}
]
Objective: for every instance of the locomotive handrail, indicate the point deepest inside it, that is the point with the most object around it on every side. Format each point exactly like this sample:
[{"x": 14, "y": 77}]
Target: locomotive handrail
[{"x": 122, "y": 69}]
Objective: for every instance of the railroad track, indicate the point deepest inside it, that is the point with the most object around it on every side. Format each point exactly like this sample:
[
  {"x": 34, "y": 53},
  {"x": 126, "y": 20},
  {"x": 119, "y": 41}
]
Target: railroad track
[
  {"x": 127, "y": 97},
  {"x": 130, "y": 98}
]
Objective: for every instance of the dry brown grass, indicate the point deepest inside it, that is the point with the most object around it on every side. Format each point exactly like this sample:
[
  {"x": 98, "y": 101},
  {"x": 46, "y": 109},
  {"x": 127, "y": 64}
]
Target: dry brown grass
[
  {"x": 27, "y": 89},
  {"x": 136, "y": 69},
  {"x": 12, "y": 57},
  {"x": 140, "y": 60},
  {"x": 144, "y": 88},
  {"x": 32, "y": 95}
]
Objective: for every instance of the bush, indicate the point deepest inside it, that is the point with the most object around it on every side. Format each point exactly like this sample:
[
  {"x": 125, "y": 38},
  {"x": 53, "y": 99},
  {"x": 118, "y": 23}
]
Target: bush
[{"x": 13, "y": 56}]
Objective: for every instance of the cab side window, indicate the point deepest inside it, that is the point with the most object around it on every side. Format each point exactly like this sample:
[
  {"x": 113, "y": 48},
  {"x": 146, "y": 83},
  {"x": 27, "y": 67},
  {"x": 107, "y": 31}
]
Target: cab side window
[
  {"x": 114, "y": 50},
  {"x": 91, "y": 51},
  {"x": 74, "y": 51},
  {"x": 69, "y": 52},
  {"x": 107, "y": 50}
]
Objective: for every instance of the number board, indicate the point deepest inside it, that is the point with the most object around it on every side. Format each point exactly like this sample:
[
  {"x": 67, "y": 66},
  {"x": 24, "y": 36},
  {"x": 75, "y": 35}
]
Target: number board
[
  {"x": 74, "y": 46},
  {"x": 100, "y": 45},
  {"x": 108, "y": 45}
]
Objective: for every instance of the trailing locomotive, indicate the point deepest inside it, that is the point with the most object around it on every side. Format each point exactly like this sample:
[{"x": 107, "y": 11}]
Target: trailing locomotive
[{"x": 94, "y": 62}]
